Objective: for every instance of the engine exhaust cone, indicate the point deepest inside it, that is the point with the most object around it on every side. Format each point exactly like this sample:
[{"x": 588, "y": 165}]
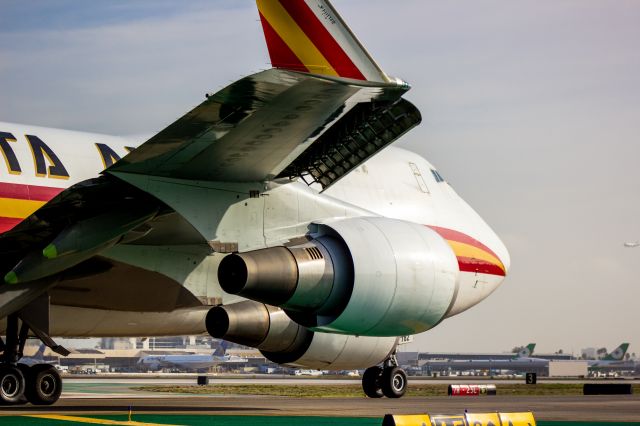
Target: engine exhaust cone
[
  {"x": 217, "y": 322},
  {"x": 267, "y": 275},
  {"x": 232, "y": 274}
]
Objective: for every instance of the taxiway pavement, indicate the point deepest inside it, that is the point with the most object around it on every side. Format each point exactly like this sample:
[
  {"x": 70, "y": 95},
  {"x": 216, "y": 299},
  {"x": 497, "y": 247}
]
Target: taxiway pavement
[{"x": 115, "y": 396}]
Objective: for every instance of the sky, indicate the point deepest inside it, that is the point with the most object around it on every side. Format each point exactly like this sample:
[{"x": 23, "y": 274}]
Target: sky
[{"x": 531, "y": 110}]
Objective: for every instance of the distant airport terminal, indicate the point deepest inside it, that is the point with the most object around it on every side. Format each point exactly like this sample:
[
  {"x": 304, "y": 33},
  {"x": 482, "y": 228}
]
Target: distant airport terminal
[{"x": 200, "y": 354}]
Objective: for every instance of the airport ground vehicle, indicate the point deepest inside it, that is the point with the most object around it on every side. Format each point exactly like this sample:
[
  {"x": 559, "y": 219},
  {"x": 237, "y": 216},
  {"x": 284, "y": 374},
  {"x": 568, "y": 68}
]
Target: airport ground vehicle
[{"x": 274, "y": 214}]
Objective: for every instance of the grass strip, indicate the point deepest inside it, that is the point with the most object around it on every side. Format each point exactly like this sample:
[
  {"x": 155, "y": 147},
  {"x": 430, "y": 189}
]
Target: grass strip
[{"x": 355, "y": 391}]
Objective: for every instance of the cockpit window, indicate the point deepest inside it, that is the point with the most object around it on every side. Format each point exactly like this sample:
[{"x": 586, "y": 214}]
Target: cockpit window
[{"x": 437, "y": 176}]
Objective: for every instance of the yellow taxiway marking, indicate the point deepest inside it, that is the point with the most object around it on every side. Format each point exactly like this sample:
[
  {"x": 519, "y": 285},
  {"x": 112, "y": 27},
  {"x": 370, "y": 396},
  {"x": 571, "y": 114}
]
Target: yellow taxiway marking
[{"x": 94, "y": 421}]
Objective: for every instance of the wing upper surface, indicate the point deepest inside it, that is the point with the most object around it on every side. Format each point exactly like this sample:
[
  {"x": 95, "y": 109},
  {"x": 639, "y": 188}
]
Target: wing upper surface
[{"x": 253, "y": 129}]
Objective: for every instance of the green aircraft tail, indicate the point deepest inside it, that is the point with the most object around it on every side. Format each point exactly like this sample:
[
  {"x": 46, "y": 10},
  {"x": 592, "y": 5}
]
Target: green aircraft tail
[
  {"x": 618, "y": 353},
  {"x": 527, "y": 351}
]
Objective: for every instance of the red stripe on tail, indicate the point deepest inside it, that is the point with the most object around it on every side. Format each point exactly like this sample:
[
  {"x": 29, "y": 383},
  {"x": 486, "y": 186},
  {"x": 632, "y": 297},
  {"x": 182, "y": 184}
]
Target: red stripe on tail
[
  {"x": 322, "y": 39},
  {"x": 280, "y": 54}
]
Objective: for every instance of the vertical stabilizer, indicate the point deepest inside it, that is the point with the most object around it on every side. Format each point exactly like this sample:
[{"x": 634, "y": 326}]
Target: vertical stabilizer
[
  {"x": 221, "y": 349},
  {"x": 310, "y": 36},
  {"x": 618, "y": 353},
  {"x": 40, "y": 353},
  {"x": 527, "y": 351}
]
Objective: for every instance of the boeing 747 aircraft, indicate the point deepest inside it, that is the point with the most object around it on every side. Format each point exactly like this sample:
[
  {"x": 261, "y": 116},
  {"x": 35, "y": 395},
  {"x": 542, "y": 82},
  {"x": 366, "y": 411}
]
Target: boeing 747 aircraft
[{"x": 275, "y": 214}]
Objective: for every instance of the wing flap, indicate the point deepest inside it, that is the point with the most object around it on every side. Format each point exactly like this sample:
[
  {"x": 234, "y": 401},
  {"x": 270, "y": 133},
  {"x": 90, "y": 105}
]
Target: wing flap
[{"x": 361, "y": 133}]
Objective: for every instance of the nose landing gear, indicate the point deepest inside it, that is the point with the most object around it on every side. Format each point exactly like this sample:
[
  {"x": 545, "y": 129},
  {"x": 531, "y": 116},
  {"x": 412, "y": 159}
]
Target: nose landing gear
[{"x": 389, "y": 380}]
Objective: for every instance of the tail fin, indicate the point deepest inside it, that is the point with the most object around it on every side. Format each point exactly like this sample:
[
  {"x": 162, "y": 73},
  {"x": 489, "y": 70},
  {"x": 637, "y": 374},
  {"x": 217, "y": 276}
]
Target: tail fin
[
  {"x": 310, "y": 36},
  {"x": 618, "y": 353},
  {"x": 40, "y": 353},
  {"x": 527, "y": 351},
  {"x": 221, "y": 349}
]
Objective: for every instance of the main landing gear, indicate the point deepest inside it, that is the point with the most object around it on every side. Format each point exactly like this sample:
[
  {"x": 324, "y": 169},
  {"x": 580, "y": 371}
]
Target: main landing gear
[
  {"x": 388, "y": 380},
  {"x": 39, "y": 384}
]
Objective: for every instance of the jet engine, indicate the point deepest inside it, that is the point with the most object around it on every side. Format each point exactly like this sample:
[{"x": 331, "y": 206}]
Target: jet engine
[
  {"x": 283, "y": 341},
  {"x": 366, "y": 276}
]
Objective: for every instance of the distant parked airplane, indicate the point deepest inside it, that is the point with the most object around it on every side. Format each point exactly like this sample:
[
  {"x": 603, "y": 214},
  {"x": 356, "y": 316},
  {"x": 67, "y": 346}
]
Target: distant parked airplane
[
  {"x": 190, "y": 361},
  {"x": 614, "y": 358},
  {"x": 632, "y": 244},
  {"x": 520, "y": 361},
  {"x": 37, "y": 358}
]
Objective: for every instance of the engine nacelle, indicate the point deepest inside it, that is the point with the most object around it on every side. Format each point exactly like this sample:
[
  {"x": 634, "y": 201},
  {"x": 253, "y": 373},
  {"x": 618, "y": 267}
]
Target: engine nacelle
[
  {"x": 366, "y": 276},
  {"x": 283, "y": 341}
]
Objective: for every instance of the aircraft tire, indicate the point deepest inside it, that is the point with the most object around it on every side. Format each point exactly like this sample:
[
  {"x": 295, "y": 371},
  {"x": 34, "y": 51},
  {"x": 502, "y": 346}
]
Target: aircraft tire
[
  {"x": 12, "y": 384},
  {"x": 371, "y": 382},
  {"x": 44, "y": 385},
  {"x": 393, "y": 382}
]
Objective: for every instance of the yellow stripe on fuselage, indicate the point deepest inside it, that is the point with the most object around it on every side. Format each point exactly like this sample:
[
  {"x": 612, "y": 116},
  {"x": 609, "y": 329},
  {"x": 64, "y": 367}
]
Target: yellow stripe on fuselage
[
  {"x": 77, "y": 419},
  {"x": 467, "y": 250},
  {"x": 295, "y": 38},
  {"x": 12, "y": 207}
]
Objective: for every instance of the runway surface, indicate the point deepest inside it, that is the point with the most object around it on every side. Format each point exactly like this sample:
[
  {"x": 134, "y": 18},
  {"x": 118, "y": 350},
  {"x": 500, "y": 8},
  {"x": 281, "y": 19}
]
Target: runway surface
[{"x": 89, "y": 397}]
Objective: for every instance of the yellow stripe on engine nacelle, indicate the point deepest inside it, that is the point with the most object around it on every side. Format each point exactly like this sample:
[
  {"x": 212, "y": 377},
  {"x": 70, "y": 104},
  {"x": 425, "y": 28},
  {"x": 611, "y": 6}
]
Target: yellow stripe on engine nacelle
[
  {"x": 295, "y": 38},
  {"x": 11, "y": 207}
]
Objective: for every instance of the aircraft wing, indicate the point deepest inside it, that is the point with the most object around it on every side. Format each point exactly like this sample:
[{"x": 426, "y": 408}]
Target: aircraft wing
[
  {"x": 321, "y": 111},
  {"x": 278, "y": 124}
]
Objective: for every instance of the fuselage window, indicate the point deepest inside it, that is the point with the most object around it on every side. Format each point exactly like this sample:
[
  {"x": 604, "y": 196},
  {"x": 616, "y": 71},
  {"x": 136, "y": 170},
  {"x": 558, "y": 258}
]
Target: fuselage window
[{"x": 437, "y": 176}]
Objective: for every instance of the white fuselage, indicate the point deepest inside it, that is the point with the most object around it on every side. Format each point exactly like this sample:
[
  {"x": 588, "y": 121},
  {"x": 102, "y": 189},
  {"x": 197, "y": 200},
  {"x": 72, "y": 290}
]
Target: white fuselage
[{"x": 395, "y": 183}]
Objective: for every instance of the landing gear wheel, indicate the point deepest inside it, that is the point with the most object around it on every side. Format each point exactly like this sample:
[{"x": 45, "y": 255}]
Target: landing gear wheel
[
  {"x": 393, "y": 382},
  {"x": 12, "y": 384},
  {"x": 371, "y": 382},
  {"x": 44, "y": 385}
]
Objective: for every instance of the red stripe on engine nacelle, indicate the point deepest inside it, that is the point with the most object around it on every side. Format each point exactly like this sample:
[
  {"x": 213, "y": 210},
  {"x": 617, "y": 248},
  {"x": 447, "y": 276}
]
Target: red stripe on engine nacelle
[{"x": 322, "y": 39}]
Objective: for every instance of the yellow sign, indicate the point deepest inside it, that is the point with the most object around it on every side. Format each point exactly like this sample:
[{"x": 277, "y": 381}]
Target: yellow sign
[
  {"x": 407, "y": 420},
  {"x": 517, "y": 419},
  {"x": 448, "y": 421},
  {"x": 468, "y": 419},
  {"x": 483, "y": 419}
]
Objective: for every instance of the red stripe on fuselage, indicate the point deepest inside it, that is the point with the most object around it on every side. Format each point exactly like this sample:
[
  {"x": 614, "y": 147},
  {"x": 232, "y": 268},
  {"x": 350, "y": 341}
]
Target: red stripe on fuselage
[
  {"x": 450, "y": 234},
  {"x": 467, "y": 264},
  {"x": 322, "y": 39},
  {"x": 28, "y": 192},
  {"x": 281, "y": 55},
  {"x": 19, "y": 191}
]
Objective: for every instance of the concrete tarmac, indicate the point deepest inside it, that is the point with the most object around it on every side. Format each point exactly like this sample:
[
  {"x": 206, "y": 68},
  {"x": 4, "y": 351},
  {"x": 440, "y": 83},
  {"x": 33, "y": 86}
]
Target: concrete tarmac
[
  {"x": 569, "y": 408},
  {"x": 99, "y": 396}
]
